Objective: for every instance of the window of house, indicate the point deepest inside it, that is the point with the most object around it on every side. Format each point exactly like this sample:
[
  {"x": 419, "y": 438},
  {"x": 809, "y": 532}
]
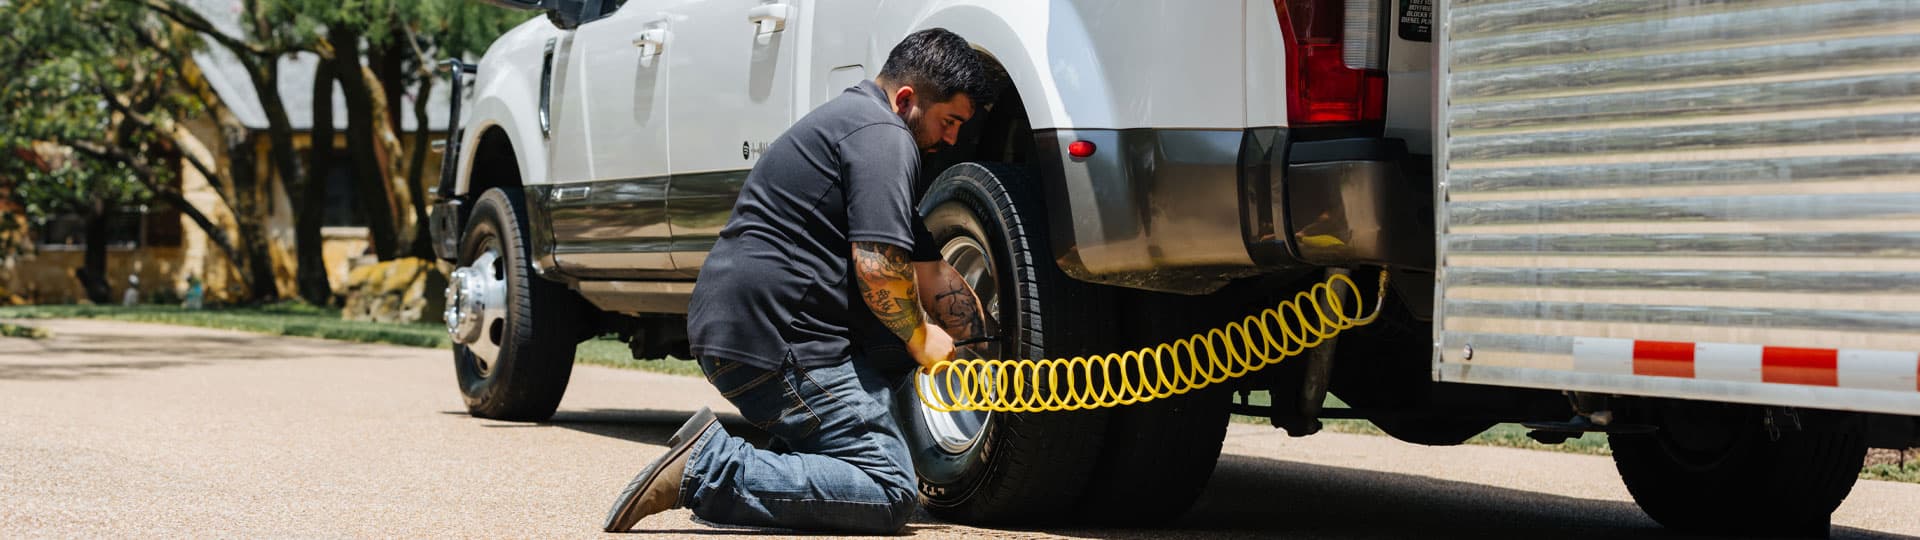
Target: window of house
[
  {"x": 125, "y": 230},
  {"x": 342, "y": 210},
  {"x": 156, "y": 224}
]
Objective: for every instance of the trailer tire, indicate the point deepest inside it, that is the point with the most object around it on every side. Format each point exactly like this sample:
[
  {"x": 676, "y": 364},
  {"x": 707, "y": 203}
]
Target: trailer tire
[
  {"x": 1716, "y": 469},
  {"x": 1020, "y": 468}
]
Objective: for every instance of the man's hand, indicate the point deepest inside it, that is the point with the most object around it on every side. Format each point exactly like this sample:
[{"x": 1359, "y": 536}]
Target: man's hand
[{"x": 938, "y": 348}]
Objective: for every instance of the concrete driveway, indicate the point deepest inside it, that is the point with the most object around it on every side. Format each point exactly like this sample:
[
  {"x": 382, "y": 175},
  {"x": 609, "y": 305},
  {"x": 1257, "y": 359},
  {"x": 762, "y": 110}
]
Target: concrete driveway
[{"x": 124, "y": 429}]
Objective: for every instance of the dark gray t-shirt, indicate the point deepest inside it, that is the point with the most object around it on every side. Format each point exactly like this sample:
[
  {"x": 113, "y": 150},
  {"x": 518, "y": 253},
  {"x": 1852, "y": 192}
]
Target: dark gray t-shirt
[{"x": 777, "y": 284}]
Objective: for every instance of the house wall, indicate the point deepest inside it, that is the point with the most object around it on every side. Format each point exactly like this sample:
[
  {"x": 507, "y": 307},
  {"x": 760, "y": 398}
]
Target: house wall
[{"x": 46, "y": 277}]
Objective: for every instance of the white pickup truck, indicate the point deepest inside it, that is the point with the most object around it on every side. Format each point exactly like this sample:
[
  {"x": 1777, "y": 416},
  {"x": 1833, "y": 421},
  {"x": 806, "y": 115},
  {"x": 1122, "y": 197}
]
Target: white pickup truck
[{"x": 1158, "y": 167}]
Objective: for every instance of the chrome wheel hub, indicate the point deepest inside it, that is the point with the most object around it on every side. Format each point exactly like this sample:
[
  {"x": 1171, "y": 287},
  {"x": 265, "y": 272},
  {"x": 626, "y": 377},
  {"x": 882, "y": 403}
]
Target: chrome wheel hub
[
  {"x": 477, "y": 307},
  {"x": 957, "y": 431}
]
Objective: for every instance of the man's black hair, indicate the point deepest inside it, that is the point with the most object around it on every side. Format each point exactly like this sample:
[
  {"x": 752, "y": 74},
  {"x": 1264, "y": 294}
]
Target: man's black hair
[{"x": 939, "y": 64}]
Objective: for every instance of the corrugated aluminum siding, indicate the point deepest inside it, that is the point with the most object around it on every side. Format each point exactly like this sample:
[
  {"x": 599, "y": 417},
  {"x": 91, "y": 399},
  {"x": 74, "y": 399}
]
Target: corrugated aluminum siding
[{"x": 1699, "y": 171}]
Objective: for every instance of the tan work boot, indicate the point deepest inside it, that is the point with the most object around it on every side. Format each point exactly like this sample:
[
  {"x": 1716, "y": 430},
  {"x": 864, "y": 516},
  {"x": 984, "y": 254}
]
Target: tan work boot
[{"x": 657, "y": 487}]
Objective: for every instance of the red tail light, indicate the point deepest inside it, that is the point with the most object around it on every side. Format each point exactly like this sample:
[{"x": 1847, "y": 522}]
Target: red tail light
[{"x": 1321, "y": 88}]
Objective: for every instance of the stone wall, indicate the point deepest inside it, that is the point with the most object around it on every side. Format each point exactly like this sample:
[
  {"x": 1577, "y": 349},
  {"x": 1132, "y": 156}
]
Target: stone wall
[{"x": 397, "y": 291}]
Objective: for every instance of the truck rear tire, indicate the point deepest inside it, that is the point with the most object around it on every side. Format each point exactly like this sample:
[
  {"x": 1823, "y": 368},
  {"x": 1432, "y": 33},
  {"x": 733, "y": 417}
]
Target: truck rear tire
[
  {"x": 531, "y": 342},
  {"x": 1157, "y": 460},
  {"x": 1717, "y": 469},
  {"x": 1006, "y": 468}
]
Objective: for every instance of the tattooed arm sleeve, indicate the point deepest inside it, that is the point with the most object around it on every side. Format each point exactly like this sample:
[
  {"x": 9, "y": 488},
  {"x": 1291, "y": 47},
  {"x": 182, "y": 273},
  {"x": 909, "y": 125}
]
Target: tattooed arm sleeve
[{"x": 887, "y": 284}]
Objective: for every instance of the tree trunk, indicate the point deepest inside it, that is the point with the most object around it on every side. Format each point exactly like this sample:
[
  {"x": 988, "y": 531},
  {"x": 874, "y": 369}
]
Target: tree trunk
[
  {"x": 251, "y": 227},
  {"x": 389, "y": 67},
  {"x": 310, "y": 214},
  {"x": 372, "y": 189},
  {"x": 287, "y": 167},
  {"x": 389, "y": 152},
  {"x": 93, "y": 270},
  {"x": 416, "y": 169}
]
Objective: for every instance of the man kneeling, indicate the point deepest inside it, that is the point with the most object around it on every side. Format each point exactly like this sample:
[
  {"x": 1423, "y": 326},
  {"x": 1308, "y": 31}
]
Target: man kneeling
[{"x": 825, "y": 217}]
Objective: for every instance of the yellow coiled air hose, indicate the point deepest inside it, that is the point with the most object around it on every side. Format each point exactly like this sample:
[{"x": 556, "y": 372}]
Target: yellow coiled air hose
[{"x": 1149, "y": 373}]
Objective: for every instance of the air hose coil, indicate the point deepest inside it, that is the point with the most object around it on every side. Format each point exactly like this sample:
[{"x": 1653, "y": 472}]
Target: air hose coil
[{"x": 1149, "y": 373}]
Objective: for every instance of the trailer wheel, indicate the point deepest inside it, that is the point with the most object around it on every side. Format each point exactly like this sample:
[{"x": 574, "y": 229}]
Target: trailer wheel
[
  {"x": 1005, "y": 468},
  {"x": 1718, "y": 469}
]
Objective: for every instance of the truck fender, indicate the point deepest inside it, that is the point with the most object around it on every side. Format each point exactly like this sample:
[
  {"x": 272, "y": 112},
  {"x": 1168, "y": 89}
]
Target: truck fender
[
  {"x": 1086, "y": 64},
  {"x": 508, "y": 90},
  {"x": 495, "y": 112},
  {"x": 1008, "y": 39}
]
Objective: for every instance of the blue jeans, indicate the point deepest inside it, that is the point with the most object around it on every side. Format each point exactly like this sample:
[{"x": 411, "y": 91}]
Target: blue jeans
[{"x": 848, "y": 470}]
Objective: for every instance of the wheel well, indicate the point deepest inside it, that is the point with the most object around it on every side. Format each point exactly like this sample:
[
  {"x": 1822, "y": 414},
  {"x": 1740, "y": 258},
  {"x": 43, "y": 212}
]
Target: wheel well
[
  {"x": 1005, "y": 135},
  {"x": 1000, "y": 134},
  {"x": 494, "y": 165}
]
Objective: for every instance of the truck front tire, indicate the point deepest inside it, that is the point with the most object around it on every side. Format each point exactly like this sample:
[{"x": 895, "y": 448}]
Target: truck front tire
[
  {"x": 532, "y": 343},
  {"x": 1017, "y": 468},
  {"x": 1718, "y": 468}
]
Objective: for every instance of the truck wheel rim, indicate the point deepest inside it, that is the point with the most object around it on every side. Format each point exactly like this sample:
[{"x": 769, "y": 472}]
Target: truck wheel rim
[
  {"x": 477, "y": 308},
  {"x": 958, "y": 431}
]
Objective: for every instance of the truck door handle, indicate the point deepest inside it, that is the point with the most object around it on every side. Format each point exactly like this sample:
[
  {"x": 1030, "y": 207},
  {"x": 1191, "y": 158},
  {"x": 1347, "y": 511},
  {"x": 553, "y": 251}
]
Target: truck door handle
[
  {"x": 652, "y": 41},
  {"x": 770, "y": 17}
]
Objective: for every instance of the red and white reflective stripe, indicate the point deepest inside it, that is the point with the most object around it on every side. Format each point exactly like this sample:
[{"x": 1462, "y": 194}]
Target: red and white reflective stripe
[{"x": 1841, "y": 368}]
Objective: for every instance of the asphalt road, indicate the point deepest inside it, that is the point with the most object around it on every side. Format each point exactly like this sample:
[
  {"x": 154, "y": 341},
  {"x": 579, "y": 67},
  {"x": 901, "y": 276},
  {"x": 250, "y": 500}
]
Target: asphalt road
[{"x": 122, "y": 429}]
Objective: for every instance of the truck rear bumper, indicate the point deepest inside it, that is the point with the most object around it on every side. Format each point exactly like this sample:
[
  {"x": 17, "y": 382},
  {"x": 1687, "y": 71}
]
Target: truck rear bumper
[{"x": 1187, "y": 210}]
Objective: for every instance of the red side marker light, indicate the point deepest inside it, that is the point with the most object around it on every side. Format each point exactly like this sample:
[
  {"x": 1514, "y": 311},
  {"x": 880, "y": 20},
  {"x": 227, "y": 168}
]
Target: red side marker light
[{"x": 1080, "y": 149}]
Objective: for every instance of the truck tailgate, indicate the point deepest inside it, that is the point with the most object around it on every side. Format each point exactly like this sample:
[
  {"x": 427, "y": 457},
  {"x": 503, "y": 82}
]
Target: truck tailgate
[{"x": 1716, "y": 200}]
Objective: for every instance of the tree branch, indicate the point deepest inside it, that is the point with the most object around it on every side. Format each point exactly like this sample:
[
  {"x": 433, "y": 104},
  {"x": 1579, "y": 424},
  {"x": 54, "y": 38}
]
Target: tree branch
[
  {"x": 148, "y": 124},
  {"x": 188, "y": 17},
  {"x": 167, "y": 193}
]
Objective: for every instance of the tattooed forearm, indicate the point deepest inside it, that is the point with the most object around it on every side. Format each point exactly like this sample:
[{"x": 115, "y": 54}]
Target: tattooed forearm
[
  {"x": 950, "y": 302},
  {"x": 958, "y": 312},
  {"x": 887, "y": 285}
]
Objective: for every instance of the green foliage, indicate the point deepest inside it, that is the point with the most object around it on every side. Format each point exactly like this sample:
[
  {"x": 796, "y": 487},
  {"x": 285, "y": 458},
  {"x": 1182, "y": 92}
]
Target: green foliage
[
  {"x": 1893, "y": 472},
  {"x": 23, "y": 331},
  {"x": 75, "y": 66},
  {"x": 448, "y": 27}
]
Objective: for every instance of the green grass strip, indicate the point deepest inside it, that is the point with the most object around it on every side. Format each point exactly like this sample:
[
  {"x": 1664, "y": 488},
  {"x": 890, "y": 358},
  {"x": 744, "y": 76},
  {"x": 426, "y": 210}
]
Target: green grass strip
[
  {"x": 279, "y": 319},
  {"x": 1893, "y": 472},
  {"x": 304, "y": 320}
]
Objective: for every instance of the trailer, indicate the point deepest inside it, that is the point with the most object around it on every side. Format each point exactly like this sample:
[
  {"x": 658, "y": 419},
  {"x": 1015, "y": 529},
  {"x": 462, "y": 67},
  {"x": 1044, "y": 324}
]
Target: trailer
[{"x": 1697, "y": 218}]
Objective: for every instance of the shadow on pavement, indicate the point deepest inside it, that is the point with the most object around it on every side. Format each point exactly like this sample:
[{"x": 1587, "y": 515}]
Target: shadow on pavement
[
  {"x": 96, "y": 352},
  {"x": 645, "y": 426},
  {"x": 1252, "y": 497},
  {"x": 68, "y": 372}
]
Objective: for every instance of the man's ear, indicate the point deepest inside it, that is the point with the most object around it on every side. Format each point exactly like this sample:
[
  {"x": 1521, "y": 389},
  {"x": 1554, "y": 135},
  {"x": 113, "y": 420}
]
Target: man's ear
[{"x": 903, "y": 99}]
